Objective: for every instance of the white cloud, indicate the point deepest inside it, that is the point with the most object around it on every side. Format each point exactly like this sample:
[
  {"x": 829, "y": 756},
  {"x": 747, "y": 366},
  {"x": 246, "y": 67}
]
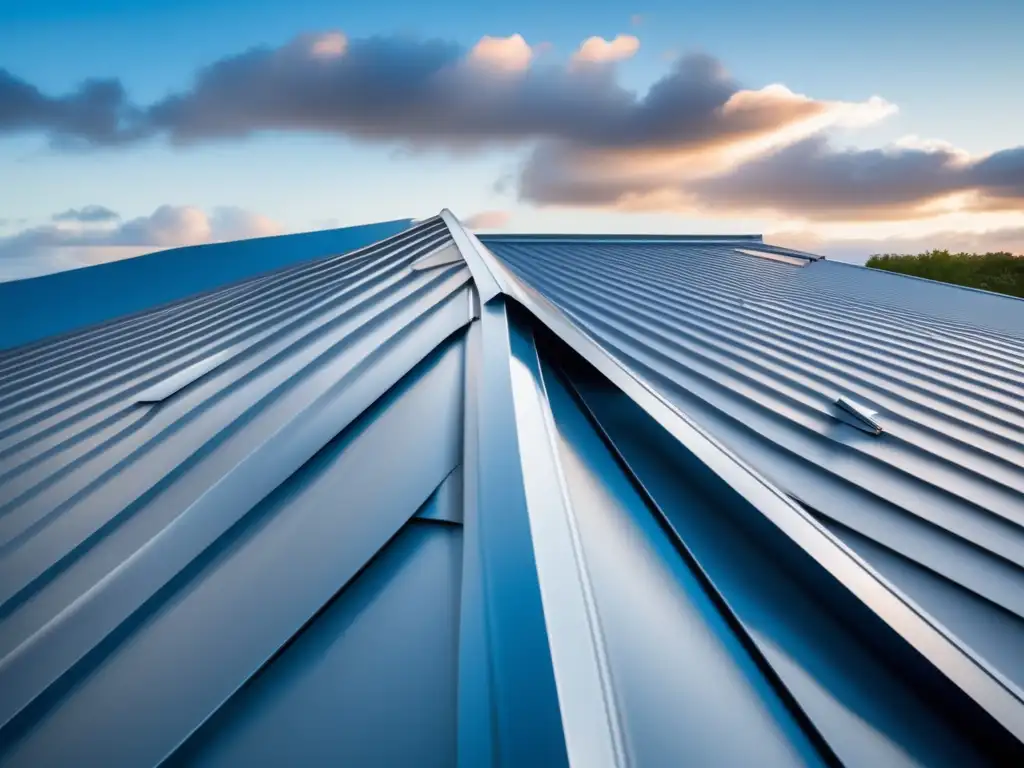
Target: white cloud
[
  {"x": 510, "y": 53},
  {"x": 53, "y": 247},
  {"x": 597, "y": 50}
]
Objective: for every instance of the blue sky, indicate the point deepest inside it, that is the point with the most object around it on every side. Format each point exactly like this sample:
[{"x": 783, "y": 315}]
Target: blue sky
[{"x": 951, "y": 68}]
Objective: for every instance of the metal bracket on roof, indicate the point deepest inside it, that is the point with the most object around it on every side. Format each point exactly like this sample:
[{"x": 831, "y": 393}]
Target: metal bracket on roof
[{"x": 857, "y": 415}]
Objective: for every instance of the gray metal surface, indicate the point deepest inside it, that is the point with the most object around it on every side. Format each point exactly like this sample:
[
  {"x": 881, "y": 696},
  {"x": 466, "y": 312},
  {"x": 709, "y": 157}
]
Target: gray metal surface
[
  {"x": 128, "y": 528},
  {"x": 757, "y": 353},
  {"x": 420, "y": 505}
]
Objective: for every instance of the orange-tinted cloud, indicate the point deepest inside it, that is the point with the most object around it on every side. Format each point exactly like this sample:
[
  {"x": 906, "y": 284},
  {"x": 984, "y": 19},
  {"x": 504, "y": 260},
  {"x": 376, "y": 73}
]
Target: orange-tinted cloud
[
  {"x": 488, "y": 220},
  {"x": 504, "y": 53},
  {"x": 597, "y": 50}
]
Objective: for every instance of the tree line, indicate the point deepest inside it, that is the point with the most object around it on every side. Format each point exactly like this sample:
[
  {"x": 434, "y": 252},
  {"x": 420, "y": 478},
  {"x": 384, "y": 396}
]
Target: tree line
[{"x": 999, "y": 271}]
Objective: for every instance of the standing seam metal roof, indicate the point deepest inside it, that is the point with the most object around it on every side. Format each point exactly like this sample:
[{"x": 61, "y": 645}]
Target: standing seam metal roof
[
  {"x": 757, "y": 353},
  {"x": 457, "y": 501}
]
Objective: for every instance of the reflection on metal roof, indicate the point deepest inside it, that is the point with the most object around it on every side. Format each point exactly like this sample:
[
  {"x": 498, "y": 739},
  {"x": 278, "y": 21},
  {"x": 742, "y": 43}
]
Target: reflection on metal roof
[{"x": 497, "y": 509}]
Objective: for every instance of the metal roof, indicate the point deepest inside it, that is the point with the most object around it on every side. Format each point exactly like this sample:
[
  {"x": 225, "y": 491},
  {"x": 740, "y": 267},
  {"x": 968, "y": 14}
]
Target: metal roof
[
  {"x": 39, "y": 307},
  {"x": 451, "y": 500},
  {"x": 758, "y": 354}
]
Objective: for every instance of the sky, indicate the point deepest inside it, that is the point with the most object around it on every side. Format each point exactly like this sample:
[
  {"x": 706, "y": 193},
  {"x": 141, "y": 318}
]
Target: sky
[{"x": 841, "y": 128}]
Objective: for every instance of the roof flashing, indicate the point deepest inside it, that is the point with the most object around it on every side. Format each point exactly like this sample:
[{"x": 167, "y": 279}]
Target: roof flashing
[
  {"x": 857, "y": 415},
  {"x": 795, "y": 261},
  {"x": 165, "y": 388},
  {"x": 441, "y": 257},
  {"x": 557, "y": 238}
]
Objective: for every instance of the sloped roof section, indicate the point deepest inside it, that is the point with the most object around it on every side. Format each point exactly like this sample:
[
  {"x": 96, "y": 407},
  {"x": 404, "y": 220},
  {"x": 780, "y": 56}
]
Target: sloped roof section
[
  {"x": 413, "y": 506},
  {"x": 36, "y": 308},
  {"x": 763, "y": 356}
]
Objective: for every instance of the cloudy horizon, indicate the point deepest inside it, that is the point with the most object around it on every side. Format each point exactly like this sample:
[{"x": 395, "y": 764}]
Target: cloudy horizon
[{"x": 513, "y": 132}]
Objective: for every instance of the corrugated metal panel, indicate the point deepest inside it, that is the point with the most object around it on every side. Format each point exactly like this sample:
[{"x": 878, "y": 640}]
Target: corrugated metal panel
[
  {"x": 757, "y": 353},
  {"x": 349, "y": 513}
]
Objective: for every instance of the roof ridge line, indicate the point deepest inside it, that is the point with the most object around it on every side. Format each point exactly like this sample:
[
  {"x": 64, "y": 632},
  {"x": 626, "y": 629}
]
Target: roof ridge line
[{"x": 487, "y": 273}]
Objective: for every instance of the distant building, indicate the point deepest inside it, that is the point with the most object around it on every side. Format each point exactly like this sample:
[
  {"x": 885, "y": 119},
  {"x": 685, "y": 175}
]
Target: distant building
[{"x": 519, "y": 501}]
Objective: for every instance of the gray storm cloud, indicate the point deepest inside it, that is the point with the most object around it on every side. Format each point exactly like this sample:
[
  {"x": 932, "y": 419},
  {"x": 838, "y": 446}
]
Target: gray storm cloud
[
  {"x": 394, "y": 89},
  {"x": 590, "y": 140}
]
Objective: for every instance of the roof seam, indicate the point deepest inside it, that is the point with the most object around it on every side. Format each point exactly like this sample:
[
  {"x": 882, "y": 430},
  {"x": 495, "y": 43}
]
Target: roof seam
[{"x": 487, "y": 282}]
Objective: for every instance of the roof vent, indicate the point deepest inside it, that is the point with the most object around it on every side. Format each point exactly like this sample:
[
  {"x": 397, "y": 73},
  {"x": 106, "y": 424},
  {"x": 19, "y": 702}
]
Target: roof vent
[
  {"x": 792, "y": 260},
  {"x": 857, "y": 415}
]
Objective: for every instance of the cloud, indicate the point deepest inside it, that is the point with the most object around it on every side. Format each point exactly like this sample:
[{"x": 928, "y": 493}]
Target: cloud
[
  {"x": 812, "y": 180},
  {"x": 504, "y": 53},
  {"x": 696, "y": 122},
  {"x": 88, "y": 213},
  {"x": 807, "y": 179},
  {"x": 420, "y": 92},
  {"x": 636, "y": 19},
  {"x": 328, "y": 46},
  {"x": 97, "y": 113},
  {"x": 857, "y": 250},
  {"x": 695, "y": 141},
  {"x": 168, "y": 226},
  {"x": 487, "y": 220},
  {"x": 597, "y": 50}
]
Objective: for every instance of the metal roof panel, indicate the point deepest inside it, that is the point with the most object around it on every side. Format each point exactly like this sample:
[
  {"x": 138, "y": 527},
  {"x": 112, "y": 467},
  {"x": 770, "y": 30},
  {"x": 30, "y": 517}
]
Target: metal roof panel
[{"x": 503, "y": 510}]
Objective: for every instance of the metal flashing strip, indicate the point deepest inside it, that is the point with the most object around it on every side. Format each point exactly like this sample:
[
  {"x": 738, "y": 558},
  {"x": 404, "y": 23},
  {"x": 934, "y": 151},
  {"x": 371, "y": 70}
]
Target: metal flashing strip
[
  {"x": 445, "y": 504},
  {"x": 476, "y": 737},
  {"x": 781, "y": 258},
  {"x": 487, "y": 283},
  {"x": 523, "y": 722},
  {"x": 589, "y": 713},
  {"x": 629, "y": 239},
  {"x": 178, "y": 381},
  {"x": 997, "y": 696}
]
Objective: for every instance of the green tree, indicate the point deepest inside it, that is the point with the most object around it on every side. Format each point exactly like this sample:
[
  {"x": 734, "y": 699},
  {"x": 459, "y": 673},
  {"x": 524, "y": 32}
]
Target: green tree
[{"x": 998, "y": 272}]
